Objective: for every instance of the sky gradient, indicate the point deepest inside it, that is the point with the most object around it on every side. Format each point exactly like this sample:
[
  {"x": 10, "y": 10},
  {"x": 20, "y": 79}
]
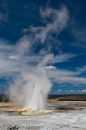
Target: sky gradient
[{"x": 34, "y": 29}]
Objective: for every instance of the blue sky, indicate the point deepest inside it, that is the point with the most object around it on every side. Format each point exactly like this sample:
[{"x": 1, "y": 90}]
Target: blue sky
[{"x": 34, "y": 29}]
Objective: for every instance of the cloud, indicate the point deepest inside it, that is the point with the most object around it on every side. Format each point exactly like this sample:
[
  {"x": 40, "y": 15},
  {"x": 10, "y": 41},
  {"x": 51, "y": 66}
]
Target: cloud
[
  {"x": 72, "y": 80},
  {"x": 63, "y": 57},
  {"x": 71, "y": 90},
  {"x": 6, "y": 65},
  {"x": 50, "y": 67},
  {"x": 13, "y": 57},
  {"x": 83, "y": 91},
  {"x": 59, "y": 90},
  {"x": 61, "y": 76},
  {"x": 81, "y": 70},
  {"x": 58, "y": 73}
]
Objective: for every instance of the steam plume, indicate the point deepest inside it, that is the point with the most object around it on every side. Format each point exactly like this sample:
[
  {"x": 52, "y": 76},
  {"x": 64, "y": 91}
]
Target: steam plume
[{"x": 32, "y": 85}]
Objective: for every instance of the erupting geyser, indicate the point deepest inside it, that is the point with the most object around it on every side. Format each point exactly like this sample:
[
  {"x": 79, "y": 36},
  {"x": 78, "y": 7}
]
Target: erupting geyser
[
  {"x": 31, "y": 55},
  {"x": 31, "y": 88}
]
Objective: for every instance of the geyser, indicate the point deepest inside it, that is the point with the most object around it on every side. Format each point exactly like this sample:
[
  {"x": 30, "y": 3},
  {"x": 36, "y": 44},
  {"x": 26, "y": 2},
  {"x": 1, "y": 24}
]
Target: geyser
[
  {"x": 32, "y": 87},
  {"x": 32, "y": 53}
]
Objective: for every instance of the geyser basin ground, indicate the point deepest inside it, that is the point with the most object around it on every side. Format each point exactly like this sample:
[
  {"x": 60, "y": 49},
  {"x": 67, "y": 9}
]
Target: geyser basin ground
[
  {"x": 17, "y": 110},
  {"x": 62, "y": 119}
]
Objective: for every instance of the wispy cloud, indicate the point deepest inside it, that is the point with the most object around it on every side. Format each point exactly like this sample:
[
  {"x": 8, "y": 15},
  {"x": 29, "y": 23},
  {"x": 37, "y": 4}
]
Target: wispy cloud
[
  {"x": 72, "y": 80},
  {"x": 61, "y": 76},
  {"x": 64, "y": 57}
]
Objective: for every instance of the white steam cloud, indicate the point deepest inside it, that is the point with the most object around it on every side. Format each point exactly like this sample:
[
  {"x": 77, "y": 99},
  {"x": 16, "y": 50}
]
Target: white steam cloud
[{"x": 32, "y": 86}]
